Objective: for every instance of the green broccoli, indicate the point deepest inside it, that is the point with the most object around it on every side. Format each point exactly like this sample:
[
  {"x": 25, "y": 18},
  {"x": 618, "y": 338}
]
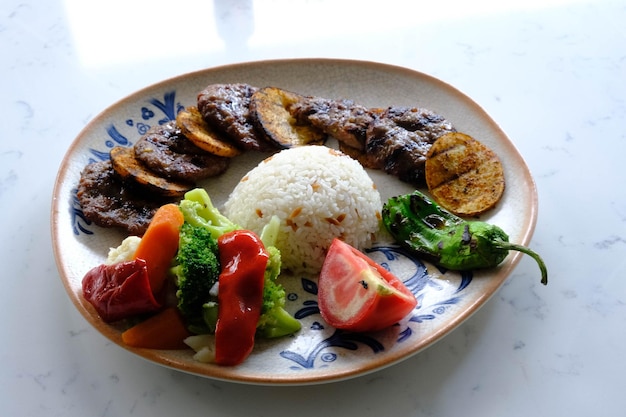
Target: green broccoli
[
  {"x": 204, "y": 223},
  {"x": 198, "y": 210},
  {"x": 196, "y": 269},
  {"x": 275, "y": 321}
]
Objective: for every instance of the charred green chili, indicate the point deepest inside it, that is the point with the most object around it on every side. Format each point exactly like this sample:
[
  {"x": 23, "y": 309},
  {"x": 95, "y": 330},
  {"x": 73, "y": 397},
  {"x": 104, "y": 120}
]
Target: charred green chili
[{"x": 447, "y": 240}]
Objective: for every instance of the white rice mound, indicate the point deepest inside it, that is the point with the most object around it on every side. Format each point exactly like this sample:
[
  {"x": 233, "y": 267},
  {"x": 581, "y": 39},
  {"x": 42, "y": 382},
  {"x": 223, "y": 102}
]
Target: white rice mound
[{"x": 318, "y": 193}]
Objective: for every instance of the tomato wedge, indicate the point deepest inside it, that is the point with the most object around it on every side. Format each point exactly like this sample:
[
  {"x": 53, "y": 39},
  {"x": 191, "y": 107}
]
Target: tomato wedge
[{"x": 355, "y": 293}]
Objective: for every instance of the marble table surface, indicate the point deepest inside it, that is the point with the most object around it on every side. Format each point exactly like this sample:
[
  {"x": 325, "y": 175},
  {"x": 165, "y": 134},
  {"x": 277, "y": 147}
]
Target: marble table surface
[{"x": 551, "y": 73}]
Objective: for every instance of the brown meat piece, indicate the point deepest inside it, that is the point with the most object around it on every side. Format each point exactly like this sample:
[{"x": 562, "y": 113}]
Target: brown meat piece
[
  {"x": 226, "y": 107},
  {"x": 109, "y": 202},
  {"x": 344, "y": 120},
  {"x": 168, "y": 153},
  {"x": 400, "y": 139},
  {"x": 423, "y": 122},
  {"x": 395, "y": 139},
  {"x": 397, "y": 151}
]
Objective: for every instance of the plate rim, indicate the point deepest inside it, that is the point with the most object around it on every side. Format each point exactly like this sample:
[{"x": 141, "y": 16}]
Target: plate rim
[{"x": 84, "y": 308}]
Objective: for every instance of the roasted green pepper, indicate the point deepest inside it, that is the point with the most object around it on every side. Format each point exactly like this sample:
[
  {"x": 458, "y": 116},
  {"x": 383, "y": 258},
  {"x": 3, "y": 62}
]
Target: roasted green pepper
[{"x": 447, "y": 240}]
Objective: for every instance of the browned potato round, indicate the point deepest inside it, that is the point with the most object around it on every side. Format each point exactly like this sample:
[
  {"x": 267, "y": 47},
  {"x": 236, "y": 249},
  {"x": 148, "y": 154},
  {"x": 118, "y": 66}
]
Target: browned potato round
[
  {"x": 464, "y": 175},
  {"x": 269, "y": 109},
  {"x": 129, "y": 168},
  {"x": 198, "y": 131}
]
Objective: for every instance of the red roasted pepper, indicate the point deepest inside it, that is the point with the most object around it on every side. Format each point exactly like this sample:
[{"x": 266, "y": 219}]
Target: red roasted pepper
[
  {"x": 120, "y": 290},
  {"x": 240, "y": 296}
]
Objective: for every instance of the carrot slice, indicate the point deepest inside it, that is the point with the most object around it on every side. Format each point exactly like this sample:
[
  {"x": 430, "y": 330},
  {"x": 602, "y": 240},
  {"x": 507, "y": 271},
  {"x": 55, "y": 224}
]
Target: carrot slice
[
  {"x": 159, "y": 244},
  {"x": 165, "y": 330}
]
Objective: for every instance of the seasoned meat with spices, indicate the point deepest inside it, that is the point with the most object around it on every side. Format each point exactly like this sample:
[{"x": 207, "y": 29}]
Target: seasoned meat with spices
[
  {"x": 226, "y": 107},
  {"x": 423, "y": 122},
  {"x": 395, "y": 139},
  {"x": 344, "y": 120},
  {"x": 399, "y": 140},
  {"x": 396, "y": 150},
  {"x": 168, "y": 153},
  {"x": 109, "y": 202}
]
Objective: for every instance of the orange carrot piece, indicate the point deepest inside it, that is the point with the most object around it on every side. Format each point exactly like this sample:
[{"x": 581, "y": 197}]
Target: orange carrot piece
[
  {"x": 159, "y": 244},
  {"x": 165, "y": 330}
]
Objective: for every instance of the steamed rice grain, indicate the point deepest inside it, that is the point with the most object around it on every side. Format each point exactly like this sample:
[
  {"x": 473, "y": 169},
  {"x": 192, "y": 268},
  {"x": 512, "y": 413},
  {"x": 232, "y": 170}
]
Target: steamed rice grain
[{"x": 318, "y": 194}]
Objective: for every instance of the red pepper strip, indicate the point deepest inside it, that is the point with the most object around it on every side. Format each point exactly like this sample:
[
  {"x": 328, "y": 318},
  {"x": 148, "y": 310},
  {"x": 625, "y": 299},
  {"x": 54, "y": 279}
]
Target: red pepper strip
[{"x": 240, "y": 295}]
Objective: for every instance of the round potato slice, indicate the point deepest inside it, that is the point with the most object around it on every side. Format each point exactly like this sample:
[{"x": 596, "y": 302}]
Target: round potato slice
[
  {"x": 464, "y": 175},
  {"x": 269, "y": 108},
  {"x": 129, "y": 168},
  {"x": 198, "y": 131}
]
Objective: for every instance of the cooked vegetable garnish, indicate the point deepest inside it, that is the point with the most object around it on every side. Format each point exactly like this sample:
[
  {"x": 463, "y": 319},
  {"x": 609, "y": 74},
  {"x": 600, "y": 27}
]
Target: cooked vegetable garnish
[
  {"x": 197, "y": 270},
  {"x": 128, "y": 167},
  {"x": 159, "y": 244},
  {"x": 447, "y": 240},
  {"x": 240, "y": 296},
  {"x": 119, "y": 290},
  {"x": 275, "y": 321},
  {"x": 193, "y": 126},
  {"x": 464, "y": 175},
  {"x": 269, "y": 108},
  {"x": 203, "y": 298},
  {"x": 165, "y": 330},
  {"x": 198, "y": 210}
]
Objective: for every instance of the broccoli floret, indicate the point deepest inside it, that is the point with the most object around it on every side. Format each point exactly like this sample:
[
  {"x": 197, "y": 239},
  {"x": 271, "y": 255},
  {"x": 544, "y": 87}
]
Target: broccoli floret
[
  {"x": 198, "y": 210},
  {"x": 198, "y": 259},
  {"x": 196, "y": 269},
  {"x": 275, "y": 321}
]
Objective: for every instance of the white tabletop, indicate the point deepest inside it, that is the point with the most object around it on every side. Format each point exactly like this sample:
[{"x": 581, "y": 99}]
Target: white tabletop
[{"x": 550, "y": 72}]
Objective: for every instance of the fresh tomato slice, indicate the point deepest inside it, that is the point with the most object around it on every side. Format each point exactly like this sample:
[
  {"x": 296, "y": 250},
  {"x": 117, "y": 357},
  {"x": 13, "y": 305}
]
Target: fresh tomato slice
[{"x": 355, "y": 293}]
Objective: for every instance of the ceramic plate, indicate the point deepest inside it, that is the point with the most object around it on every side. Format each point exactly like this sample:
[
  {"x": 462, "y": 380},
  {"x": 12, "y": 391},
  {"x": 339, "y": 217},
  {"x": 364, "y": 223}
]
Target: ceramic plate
[{"x": 318, "y": 353}]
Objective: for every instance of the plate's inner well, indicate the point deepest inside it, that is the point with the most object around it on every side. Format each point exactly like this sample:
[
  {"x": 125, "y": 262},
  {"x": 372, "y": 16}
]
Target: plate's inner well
[{"x": 318, "y": 352}]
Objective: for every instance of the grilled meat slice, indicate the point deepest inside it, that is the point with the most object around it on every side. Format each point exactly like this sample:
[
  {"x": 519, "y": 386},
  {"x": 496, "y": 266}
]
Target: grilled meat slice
[
  {"x": 344, "y": 120},
  {"x": 425, "y": 123},
  {"x": 395, "y": 139},
  {"x": 109, "y": 202},
  {"x": 399, "y": 140},
  {"x": 396, "y": 150},
  {"x": 226, "y": 107},
  {"x": 167, "y": 152}
]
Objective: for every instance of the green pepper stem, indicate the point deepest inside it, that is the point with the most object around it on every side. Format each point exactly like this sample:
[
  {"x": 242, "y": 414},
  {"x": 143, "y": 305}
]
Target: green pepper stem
[{"x": 529, "y": 252}]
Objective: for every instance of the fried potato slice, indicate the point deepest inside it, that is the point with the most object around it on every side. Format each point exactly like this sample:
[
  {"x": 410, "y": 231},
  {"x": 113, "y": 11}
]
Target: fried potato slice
[
  {"x": 269, "y": 109},
  {"x": 464, "y": 175},
  {"x": 198, "y": 131},
  {"x": 130, "y": 169}
]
